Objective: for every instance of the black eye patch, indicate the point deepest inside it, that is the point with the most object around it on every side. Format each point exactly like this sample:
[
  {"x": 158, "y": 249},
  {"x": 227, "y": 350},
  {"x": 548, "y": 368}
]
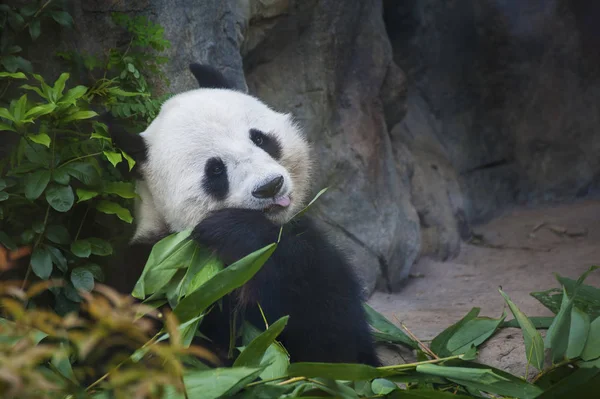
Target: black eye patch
[
  {"x": 268, "y": 143},
  {"x": 215, "y": 181}
]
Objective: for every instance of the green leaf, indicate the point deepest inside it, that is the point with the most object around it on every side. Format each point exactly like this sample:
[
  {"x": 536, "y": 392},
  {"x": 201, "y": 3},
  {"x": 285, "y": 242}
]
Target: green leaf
[
  {"x": 218, "y": 382},
  {"x": 129, "y": 160},
  {"x": 122, "y": 189},
  {"x": 36, "y": 183},
  {"x": 200, "y": 272},
  {"x": 379, "y": 322},
  {"x": 251, "y": 356},
  {"x": 19, "y": 109},
  {"x": 61, "y": 362},
  {"x": 71, "y": 97},
  {"x": 40, "y": 110},
  {"x": 37, "y": 153},
  {"x": 59, "y": 85},
  {"x": 79, "y": 115},
  {"x": 12, "y": 63},
  {"x": 578, "y": 334},
  {"x": 85, "y": 195},
  {"x": 41, "y": 138},
  {"x": 60, "y": 198},
  {"x": 57, "y": 258},
  {"x": 34, "y": 29},
  {"x": 586, "y": 297},
  {"x": 58, "y": 234},
  {"x": 592, "y": 346},
  {"x": 222, "y": 283},
  {"x": 164, "y": 259},
  {"x": 36, "y": 89},
  {"x": 112, "y": 208},
  {"x": 96, "y": 271},
  {"x": 100, "y": 247},
  {"x": 483, "y": 376},
  {"x": 557, "y": 337},
  {"x": 82, "y": 171},
  {"x": 276, "y": 362},
  {"x": 5, "y": 127},
  {"x": 439, "y": 345},
  {"x": 16, "y": 75},
  {"x": 534, "y": 344},
  {"x": 41, "y": 263},
  {"x": 335, "y": 371},
  {"x": 381, "y": 386},
  {"x": 81, "y": 248},
  {"x": 113, "y": 157},
  {"x": 472, "y": 333},
  {"x": 82, "y": 279},
  {"x": 3, "y": 196},
  {"x": 510, "y": 386},
  {"x": 62, "y": 17},
  {"x": 4, "y": 113},
  {"x": 61, "y": 176}
]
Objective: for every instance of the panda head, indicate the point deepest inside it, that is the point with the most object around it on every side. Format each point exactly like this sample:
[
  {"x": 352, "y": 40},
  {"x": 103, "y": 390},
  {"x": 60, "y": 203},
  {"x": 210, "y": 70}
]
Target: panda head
[{"x": 214, "y": 148}]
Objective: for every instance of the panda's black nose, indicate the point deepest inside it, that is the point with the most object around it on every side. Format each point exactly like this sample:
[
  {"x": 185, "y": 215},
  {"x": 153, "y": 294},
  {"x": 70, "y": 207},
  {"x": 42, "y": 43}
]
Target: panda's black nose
[{"x": 269, "y": 189}]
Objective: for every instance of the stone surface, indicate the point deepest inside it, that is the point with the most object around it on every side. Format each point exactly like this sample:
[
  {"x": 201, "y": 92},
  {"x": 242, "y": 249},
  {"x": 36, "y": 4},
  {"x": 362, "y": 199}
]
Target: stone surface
[
  {"x": 512, "y": 88},
  {"x": 513, "y": 258}
]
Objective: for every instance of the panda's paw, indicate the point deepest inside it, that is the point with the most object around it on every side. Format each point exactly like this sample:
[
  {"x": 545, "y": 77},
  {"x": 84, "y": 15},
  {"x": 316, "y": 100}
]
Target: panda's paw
[{"x": 235, "y": 233}]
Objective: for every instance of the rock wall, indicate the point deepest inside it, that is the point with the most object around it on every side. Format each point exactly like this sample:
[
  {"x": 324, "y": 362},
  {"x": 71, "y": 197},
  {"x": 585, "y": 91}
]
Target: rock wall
[{"x": 426, "y": 116}]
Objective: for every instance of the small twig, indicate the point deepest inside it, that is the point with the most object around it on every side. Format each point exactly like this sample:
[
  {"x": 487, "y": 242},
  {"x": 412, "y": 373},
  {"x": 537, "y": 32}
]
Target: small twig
[
  {"x": 411, "y": 365},
  {"x": 552, "y": 368},
  {"x": 292, "y": 380},
  {"x": 414, "y": 337},
  {"x": 37, "y": 13}
]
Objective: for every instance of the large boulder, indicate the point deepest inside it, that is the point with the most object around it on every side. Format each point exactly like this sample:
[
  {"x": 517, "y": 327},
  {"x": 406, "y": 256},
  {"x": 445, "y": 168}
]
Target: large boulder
[{"x": 513, "y": 89}]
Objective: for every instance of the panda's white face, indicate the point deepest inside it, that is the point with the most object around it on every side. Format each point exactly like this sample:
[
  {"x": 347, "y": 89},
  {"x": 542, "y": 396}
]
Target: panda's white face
[{"x": 210, "y": 149}]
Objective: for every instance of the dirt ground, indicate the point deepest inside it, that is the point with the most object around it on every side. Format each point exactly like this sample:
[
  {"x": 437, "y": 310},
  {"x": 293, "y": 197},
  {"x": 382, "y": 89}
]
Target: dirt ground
[{"x": 520, "y": 251}]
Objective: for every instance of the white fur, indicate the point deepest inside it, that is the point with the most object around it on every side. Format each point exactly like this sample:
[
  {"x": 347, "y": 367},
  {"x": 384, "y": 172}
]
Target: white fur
[{"x": 195, "y": 126}]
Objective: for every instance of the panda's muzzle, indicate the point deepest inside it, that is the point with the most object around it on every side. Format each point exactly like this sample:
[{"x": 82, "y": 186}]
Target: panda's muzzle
[{"x": 269, "y": 189}]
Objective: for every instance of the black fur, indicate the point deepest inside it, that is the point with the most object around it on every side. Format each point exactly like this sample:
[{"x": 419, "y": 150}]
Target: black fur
[
  {"x": 268, "y": 143},
  {"x": 209, "y": 77},
  {"x": 215, "y": 181},
  {"x": 305, "y": 278}
]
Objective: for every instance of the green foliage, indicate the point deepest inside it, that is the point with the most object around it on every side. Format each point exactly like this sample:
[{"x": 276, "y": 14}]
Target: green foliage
[
  {"x": 62, "y": 189},
  {"x": 127, "y": 93}
]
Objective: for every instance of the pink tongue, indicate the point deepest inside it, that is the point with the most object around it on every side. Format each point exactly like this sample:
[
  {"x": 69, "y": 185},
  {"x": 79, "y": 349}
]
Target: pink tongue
[{"x": 283, "y": 201}]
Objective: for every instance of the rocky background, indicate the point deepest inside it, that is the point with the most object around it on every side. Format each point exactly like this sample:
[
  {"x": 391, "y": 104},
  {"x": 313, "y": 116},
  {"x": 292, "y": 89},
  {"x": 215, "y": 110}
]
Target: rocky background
[{"x": 426, "y": 116}]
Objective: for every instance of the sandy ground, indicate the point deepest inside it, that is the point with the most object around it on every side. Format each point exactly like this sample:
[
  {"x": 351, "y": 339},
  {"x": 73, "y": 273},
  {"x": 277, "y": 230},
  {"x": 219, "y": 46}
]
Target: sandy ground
[{"x": 511, "y": 255}]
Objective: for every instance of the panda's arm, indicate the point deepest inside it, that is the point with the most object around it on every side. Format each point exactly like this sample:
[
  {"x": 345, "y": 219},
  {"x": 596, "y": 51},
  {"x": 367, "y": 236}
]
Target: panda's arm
[
  {"x": 234, "y": 233},
  {"x": 305, "y": 278}
]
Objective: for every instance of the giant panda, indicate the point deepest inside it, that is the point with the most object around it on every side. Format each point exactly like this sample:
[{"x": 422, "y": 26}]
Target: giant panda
[{"x": 224, "y": 164}]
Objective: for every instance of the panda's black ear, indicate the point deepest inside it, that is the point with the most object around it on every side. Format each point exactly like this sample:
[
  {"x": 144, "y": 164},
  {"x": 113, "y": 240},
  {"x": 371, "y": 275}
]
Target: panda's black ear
[
  {"x": 209, "y": 77},
  {"x": 132, "y": 143}
]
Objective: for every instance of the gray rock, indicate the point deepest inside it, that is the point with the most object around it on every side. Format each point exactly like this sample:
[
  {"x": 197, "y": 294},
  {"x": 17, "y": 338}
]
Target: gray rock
[
  {"x": 513, "y": 89},
  {"x": 435, "y": 191}
]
